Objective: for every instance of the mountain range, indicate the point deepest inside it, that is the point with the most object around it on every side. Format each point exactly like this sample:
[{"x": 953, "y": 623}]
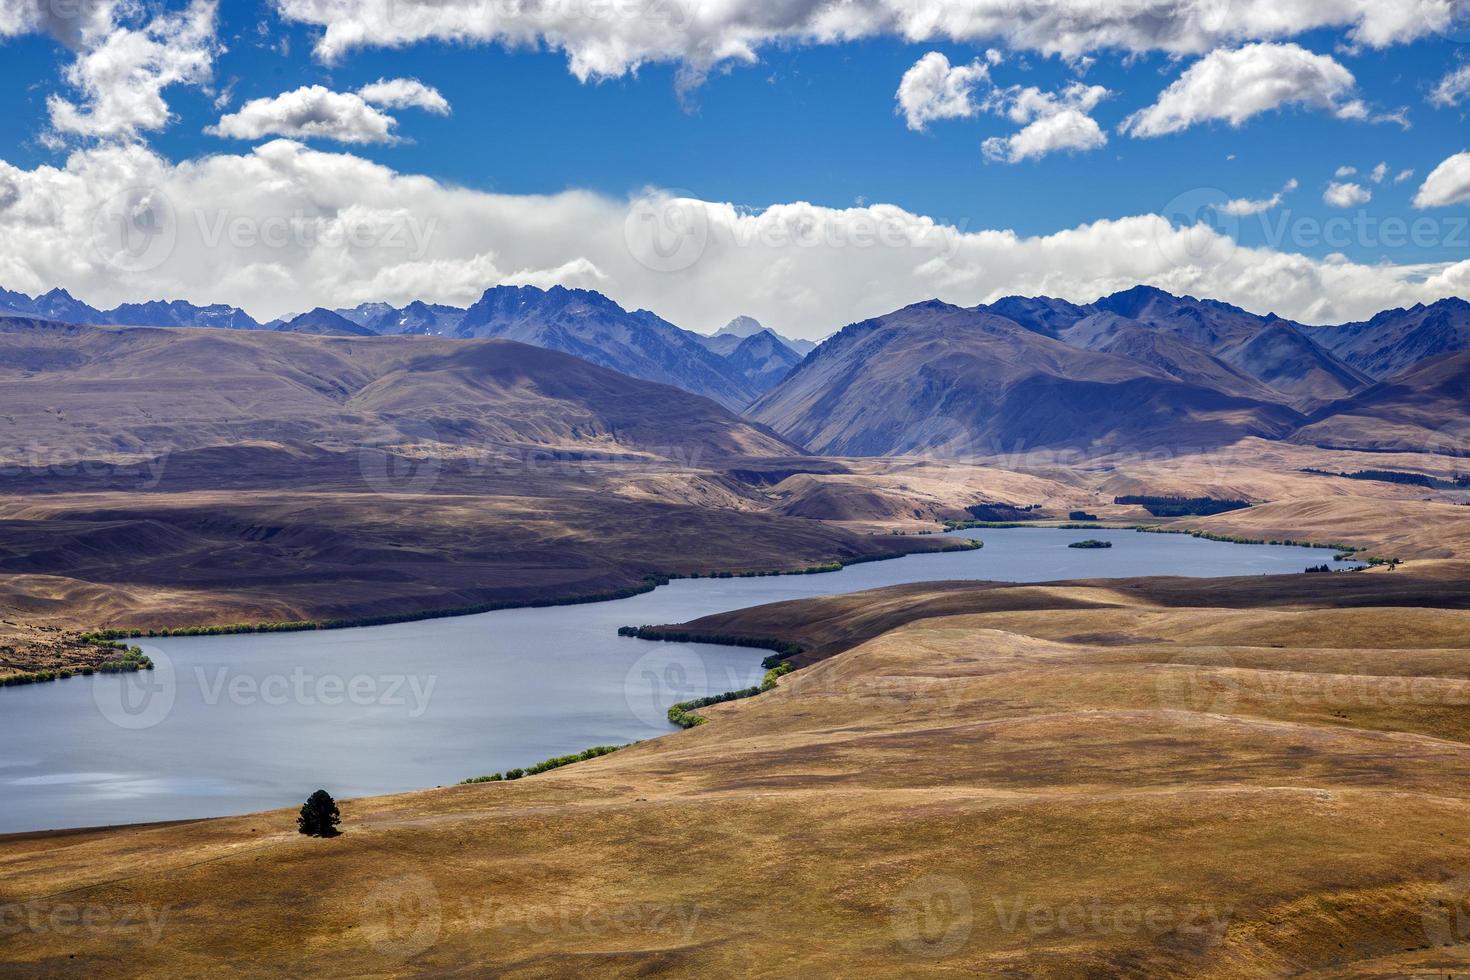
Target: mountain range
[
  {"x": 1138, "y": 368},
  {"x": 732, "y": 367}
]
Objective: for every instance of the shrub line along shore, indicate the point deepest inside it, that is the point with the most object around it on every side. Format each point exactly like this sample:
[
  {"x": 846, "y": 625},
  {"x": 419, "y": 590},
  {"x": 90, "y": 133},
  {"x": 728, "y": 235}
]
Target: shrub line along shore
[
  {"x": 649, "y": 583},
  {"x": 109, "y": 637},
  {"x": 133, "y": 659}
]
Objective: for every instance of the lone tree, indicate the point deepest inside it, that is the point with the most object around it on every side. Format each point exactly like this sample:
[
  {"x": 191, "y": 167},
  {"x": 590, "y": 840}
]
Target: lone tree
[{"x": 319, "y": 815}]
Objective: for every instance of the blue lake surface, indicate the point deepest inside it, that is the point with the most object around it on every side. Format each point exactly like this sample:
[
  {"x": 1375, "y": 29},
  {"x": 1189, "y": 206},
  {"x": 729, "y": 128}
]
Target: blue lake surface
[{"x": 234, "y": 724}]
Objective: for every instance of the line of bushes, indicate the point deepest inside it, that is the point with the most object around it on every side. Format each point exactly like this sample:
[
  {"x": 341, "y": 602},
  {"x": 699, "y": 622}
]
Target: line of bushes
[
  {"x": 683, "y": 713},
  {"x": 1459, "y": 482},
  {"x": 1182, "y": 506},
  {"x": 1342, "y": 549},
  {"x": 648, "y": 584},
  {"x": 127, "y": 660},
  {"x": 783, "y": 648},
  {"x": 556, "y": 762}
]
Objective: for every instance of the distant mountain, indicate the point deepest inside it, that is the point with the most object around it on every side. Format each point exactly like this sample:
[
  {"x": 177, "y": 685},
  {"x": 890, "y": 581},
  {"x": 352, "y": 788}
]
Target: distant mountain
[
  {"x": 588, "y": 325},
  {"x": 364, "y": 314},
  {"x": 748, "y": 326},
  {"x": 1277, "y": 353},
  {"x": 179, "y": 314},
  {"x": 763, "y": 359},
  {"x": 1425, "y": 409},
  {"x": 60, "y": 305},
  {"x": 417, "y": 318},
  {"x": 326, "y": 323},
  {"x": 941, "y": 379},
  {"x": 1396, "y": 340}
]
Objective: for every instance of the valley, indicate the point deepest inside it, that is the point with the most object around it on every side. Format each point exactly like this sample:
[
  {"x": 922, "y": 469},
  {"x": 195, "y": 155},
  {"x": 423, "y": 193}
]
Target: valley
[{"x": 950, "y": 720}]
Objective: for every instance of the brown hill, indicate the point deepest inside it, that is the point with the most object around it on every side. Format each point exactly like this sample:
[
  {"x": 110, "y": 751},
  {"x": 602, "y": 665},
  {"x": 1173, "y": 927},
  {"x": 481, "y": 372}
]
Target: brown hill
[
  {"x": 941, "y": 379},
  {"x": 78, "y": 392},
  {"x": 1425, "y": 409}
]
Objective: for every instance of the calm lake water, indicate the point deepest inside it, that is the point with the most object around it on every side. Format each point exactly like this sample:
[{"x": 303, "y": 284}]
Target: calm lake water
[{"x": 234, "y": 724}]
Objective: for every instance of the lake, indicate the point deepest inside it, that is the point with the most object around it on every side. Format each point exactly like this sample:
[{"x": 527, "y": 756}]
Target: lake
[{"x": 234, "y": 724}]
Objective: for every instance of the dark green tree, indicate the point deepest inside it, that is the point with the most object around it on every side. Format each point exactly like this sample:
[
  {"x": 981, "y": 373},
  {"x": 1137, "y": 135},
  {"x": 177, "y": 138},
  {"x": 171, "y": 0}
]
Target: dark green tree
[{"x": 319, "y": 815}]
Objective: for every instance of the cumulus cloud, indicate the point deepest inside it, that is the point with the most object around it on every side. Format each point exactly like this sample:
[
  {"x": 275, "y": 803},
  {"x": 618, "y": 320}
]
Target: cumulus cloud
[
  {"x": 603, "y": 40},
  {"x": 1403, "y": 175},
  {"x": 314, "y": 111},
  {"x": 405, "y": 93},
  {"x": 1052, "y": 122},
  {"x": 1448, "y": 183},
  {"x": 1345, "y": 171},
  {"x": 1453, "y": 89},
  {"x": 933, "y": 89},
  {"x": 120, "y": 71},
  {"x": 1242, "y": 207},
  {"x": 283, "y": 227},
  {"x": 1379, "y": 173},
  {"x": 1346, "y": 194},
  {"x": 1236, "y": 85}
]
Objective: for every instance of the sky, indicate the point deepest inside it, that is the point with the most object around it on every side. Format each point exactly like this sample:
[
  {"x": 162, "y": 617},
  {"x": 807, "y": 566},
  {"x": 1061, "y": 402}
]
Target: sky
[{"x": 809, "y": 164}]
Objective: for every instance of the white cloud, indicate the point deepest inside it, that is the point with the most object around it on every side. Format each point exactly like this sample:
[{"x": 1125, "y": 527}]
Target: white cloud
[
  {"x": 311, "y": 111},
  {"x": 607, "y": 40},
  {"x": 1052, "y": 122},
  {"x": 405, "y": 93},
  {"x": 1454, "y": 88},
  {"x": 1448, "y": 183},
  {"x": 1345, "y": 171},
  {"x": 1346, "y": 195},
  {"x": 121, "y": 71},
  {"x": 314, "y": 111},
  {"x": 1242, "y": 207},
  {"x": 932, "y": 89},
  {"x": 1403, "y": 175},
  {"x": 1379, "y": 173},
  {"x": 283, "y": 227},
  {"x": 1236, "y": 85}
]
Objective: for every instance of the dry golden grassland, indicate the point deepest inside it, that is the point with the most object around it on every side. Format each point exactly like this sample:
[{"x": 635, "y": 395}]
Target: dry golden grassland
[{"x": 1097, "y": 779}]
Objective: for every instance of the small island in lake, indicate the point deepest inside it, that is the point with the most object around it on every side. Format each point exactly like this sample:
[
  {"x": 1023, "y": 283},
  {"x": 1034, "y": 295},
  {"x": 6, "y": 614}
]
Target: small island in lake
[{"x": 1091, "y": 543}]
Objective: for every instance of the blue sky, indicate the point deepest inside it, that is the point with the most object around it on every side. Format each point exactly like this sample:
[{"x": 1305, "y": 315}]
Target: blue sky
[{"x": 818, "y": 123}]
